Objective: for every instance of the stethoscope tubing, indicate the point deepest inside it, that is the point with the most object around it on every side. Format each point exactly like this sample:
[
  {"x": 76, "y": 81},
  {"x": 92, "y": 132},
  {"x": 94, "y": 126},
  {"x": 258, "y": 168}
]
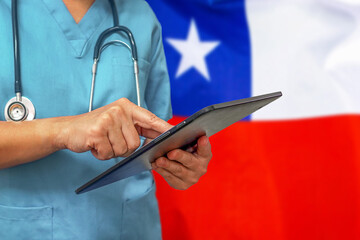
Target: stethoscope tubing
[
  {"x": 18, "y": 108},
  {"x": 108, "y": 32},
  {"x": 17, "y": 74},
  {"x": 99, "y": 47}
]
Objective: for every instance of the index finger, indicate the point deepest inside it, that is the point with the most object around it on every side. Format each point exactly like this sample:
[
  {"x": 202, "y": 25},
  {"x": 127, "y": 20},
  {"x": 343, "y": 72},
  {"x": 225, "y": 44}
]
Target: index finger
[{"x": 148, "y": 120}]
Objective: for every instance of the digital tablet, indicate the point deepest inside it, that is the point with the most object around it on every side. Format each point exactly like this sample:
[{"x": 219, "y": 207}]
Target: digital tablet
[{"x": 207, "y": 121}]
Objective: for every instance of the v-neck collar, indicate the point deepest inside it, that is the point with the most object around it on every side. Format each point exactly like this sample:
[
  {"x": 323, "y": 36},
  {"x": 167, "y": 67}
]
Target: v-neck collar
[{"x": 78, "y": 34}]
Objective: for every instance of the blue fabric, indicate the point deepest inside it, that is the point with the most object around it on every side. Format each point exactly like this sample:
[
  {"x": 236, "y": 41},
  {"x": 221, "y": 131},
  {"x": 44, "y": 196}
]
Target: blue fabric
[{"x": 37, "y": 200}]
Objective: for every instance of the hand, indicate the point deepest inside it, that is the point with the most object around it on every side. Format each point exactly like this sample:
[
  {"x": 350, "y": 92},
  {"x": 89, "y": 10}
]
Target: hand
[
  {"x": 182, "y": 169},
  {"x": 110, "y": 131}
]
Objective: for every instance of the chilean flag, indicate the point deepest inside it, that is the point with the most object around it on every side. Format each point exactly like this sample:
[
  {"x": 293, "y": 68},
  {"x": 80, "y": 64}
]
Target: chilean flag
[{"x": 292, "y": 169}]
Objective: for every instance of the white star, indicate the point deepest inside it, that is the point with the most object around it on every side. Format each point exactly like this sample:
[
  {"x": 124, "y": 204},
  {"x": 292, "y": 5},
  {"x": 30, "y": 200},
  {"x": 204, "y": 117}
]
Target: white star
[{"x": 193, "y": 52}]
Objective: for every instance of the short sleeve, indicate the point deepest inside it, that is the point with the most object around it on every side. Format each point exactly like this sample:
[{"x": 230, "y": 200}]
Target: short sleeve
[{"x": 157, "y": 93}]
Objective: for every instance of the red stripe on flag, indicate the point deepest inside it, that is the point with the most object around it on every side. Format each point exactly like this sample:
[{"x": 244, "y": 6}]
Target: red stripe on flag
[{"x": 272, "y": 180}]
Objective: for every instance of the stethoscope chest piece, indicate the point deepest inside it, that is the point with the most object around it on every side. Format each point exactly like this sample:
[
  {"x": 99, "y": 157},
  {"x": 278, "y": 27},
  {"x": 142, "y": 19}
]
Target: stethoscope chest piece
[{"x": 18, "y": 111}]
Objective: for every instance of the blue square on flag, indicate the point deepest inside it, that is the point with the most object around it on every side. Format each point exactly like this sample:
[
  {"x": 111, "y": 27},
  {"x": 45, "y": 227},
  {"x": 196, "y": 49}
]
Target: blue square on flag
[{"x": 207, "y": 47}]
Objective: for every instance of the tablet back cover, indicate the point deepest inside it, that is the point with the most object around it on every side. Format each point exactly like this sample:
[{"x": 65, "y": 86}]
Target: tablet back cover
[{"x": 207, "y": 121}]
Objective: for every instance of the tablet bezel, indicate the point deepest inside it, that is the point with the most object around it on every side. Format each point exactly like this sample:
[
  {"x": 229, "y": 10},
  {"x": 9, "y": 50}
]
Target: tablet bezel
[{"x": 174, "y": 130}]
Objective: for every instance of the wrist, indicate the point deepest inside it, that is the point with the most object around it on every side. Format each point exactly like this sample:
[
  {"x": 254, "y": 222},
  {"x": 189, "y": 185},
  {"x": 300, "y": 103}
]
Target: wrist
[{"x": 59, "y": 133}]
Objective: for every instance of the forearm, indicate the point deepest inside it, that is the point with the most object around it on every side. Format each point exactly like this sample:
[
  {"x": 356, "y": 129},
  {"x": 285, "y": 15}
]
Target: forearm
[
  {"x": 24, "y": 142},
  {"x": 108, "y": 132}
]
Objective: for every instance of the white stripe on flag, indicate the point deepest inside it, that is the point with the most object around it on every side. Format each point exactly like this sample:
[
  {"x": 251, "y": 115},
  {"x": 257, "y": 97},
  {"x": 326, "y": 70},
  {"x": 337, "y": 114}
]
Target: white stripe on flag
[{"x": 310, "y": 50}]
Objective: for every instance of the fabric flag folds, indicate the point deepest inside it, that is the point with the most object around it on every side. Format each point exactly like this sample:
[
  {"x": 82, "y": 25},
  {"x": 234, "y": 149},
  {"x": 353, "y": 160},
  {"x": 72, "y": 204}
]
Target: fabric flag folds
[
  {"x": 292, "y": 170},
  {"x": 207, "y": 47}
]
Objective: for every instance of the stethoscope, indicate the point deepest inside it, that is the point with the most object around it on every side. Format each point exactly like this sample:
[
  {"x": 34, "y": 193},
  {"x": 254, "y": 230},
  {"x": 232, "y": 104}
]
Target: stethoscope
[{"x": 20, "y": 108}]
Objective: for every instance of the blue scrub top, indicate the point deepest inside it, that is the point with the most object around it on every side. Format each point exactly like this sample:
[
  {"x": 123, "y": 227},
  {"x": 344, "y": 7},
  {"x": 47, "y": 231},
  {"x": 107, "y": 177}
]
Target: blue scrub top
[{"x": 37, "y": 200}]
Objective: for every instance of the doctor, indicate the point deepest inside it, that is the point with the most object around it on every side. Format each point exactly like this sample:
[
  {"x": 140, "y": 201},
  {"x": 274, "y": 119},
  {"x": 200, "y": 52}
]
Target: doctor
[{"x": 44, "y": 160}]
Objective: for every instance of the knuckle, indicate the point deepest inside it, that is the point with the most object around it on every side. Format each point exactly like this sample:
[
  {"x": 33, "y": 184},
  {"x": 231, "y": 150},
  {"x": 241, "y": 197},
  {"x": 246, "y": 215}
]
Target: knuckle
[
  {"x": 203, "y": 170},
  {"x": 183, "y": 187},
  {"x": 175, "y": 154},
  {"x": 121, "y": 150},
  {"x": 193, "y": 181},
  {"x": 95, "y": 131},
  {"x": 178, "y": 170},
  {"x": 134, "y": 144},
  {"x": 105, "y": 119},
  {"x": 89, "y": 143},
  {"x": 163, "y": 162},
  {"x": 117, "y": 110},
  {"x": 167, "y": 175},
  {"x": 99, "y": 157},
  {"x": 104, "y": 156},
  {"x": 123, "y": 101},
  {"x": 132, "y": 147},
  {"x": 190, "y": 163},
  {"x": 152, "y": 118}
]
